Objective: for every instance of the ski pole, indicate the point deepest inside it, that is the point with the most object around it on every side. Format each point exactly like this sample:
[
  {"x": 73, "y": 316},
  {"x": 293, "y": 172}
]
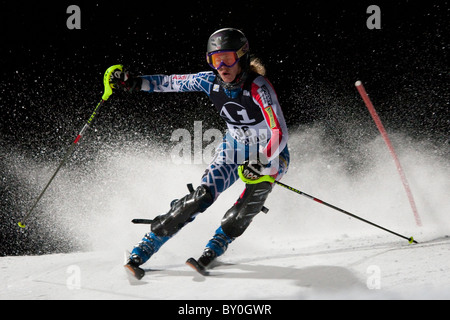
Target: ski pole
[
  {"x": 410, "y": 239},
  {"x": 271, "y": 179},
  {"x": 106, "y": 94}
]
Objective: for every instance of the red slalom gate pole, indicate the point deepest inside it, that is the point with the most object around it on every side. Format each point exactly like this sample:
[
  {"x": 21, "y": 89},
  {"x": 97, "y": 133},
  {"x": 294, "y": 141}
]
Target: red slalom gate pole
[{"x": 384, "y": 134}]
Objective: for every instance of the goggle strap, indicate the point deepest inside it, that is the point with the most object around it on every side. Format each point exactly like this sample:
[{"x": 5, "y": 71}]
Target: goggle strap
[{"x": 242, "y": 51}]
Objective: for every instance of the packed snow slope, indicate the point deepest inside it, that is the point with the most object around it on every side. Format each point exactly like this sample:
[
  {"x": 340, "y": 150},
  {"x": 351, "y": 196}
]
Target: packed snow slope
[
  {"x": 300, "y": 249},
  {"x": 346, "y": 268}
]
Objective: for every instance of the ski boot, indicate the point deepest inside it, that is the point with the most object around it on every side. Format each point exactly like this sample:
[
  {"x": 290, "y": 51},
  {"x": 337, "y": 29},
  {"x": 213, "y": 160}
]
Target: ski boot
[
  {"x": 147, "y": 247},
  {"x": 215, "y": 248}
]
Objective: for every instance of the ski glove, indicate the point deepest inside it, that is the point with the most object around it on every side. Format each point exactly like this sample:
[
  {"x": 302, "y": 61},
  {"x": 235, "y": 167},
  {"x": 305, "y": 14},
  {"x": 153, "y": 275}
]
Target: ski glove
[
  {"x": 252, "y": 169},
  {"x": 124, "y": 80}
]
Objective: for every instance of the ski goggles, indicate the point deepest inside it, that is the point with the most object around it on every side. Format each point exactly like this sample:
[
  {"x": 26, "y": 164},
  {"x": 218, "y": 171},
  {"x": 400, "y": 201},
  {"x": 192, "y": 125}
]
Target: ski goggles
[
  {"x": 227, "y": 58},
  {"x": 222, "y": 58}
]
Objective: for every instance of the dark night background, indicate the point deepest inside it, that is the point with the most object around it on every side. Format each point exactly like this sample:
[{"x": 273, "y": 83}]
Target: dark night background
[{"x": 51, "y": 77}]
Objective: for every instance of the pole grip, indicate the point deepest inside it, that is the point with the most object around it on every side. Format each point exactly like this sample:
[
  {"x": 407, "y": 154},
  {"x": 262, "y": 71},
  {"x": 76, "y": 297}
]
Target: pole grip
[{"x": 107, "y": 80}]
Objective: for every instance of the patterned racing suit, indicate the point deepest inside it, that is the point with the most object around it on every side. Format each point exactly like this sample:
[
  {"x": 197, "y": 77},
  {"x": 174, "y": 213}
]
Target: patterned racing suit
[{"x": 255, "y": 124}]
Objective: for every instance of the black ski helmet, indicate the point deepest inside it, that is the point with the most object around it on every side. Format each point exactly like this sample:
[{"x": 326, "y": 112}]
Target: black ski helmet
[{"x": 228, "y": 39}]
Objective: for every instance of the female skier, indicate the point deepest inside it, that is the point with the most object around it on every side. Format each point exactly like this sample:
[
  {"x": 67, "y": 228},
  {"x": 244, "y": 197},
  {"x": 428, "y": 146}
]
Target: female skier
[{"x": 255, "y": 145}]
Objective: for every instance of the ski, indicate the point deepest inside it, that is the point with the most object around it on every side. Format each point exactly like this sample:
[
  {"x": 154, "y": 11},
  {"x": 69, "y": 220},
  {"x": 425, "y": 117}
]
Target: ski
[
  {"x": 133, "y": 272},
  {"x": 191, "y": 262}
]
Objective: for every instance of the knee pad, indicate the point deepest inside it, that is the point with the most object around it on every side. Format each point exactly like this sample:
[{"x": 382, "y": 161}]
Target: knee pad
[
  {"x": 239, "y": 217},
  {"x": 182, "y": 211}
]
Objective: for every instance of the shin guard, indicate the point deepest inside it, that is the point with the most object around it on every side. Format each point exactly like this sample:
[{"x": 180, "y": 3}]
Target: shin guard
[
  {"x": 182, "y": 211},
  {"x": 239, "y": 217}
]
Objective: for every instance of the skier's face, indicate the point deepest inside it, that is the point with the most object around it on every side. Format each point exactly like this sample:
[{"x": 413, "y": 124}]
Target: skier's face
[{"x": 229, "y": 74}]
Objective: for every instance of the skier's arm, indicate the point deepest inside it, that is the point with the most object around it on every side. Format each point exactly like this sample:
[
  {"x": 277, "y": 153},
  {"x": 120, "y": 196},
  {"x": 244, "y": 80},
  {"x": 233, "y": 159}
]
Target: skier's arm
[
  {"x": 264, "y": 95},
  {"x": 202, "y": 82}
]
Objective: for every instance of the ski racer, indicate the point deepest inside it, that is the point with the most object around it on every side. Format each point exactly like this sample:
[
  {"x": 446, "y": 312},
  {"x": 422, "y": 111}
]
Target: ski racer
[{"x": 255, "y": 144}]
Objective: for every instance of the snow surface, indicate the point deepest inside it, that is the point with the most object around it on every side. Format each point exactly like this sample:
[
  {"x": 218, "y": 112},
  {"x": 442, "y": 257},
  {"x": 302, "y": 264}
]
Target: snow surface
[
  {"x": 299, "y": 250},
  {"x": 344, "y": 269}
]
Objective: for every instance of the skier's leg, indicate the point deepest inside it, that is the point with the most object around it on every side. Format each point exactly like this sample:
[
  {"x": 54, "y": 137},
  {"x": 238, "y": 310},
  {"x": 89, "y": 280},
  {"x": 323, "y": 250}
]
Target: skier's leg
[
  {"x": 218, "y": 176},
  {"x": 148, "y": 246},
  {"x": 165, "y": 226},
  {"x": 182, "y": 211},
  {"x": 239, "y": 217},
  {"x": 214, "y": 248},
  {"x": 236, "y": 221},
  {"x": 249, "y": 204},
  {"x": 222, "y": 171}
]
